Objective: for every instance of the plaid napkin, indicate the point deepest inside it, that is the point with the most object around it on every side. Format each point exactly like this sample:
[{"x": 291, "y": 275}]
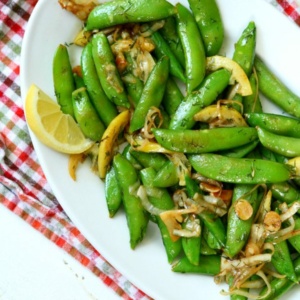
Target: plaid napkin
[{"x": 23, "y": 187}]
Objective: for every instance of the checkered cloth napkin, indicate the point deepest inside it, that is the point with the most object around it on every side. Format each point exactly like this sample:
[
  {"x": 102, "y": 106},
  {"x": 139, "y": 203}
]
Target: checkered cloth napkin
[{"x": 23, "y": 187}]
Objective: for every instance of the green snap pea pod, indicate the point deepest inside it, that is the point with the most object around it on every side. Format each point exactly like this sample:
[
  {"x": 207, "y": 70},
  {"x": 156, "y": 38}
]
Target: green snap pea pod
[
  {"x": 160, "y": 198},
  {"x": 113, "y": 193},
  {"x": 295, "y": 240},
  {"x": 285, "y": 192},
  {"x": 210, "y": 24},
  {"x": 79, "y": 83},
  {"x": 244, "y": 48},
  {"x": 152, "y": 94},
  {"x": 133, "y": 84},
  {"x": 215, "y": 226},
  {"x": 212, "y": 85},
  {"x": 283, "y": 145},
  {"x": 137, "y": 217},
  {"x": 252, "y": 103},
  {"x": 119, "y": 12},
  {"x": 210, "y": 239},
  {"x": 275, "y": 90},
  {"x": 192, "y": 187},
  {"x": 107, "y": 70},
  {"x": 162, "y": 49},
  {"x": 238, "y": 230},
  {"x": 172, "y": 97},
  {"x": 241, "y": 151},
  {"x": 86, "y": 116},
  {"x": 106, "y": 110},
  {"x": 240, "y": 170},
  {"x": 205, "y": 249},
  {"x": 166, "y": 176},
  {"x": 280, "y": 286},
  {"x": 63, "y": 79},
  {"x": 208, "y": 265},
  {"x": 193, "y": 47},
  {"x": 205, "y": 140},
  {"x": 169, "y": 32},
  {"x": 191, "y": 247},
  {"x": 154, "y": 160},
  {"x": 282, "y": 262},
  {"x": 127, "y": 153},
  {"x": 278, "y": 124}
]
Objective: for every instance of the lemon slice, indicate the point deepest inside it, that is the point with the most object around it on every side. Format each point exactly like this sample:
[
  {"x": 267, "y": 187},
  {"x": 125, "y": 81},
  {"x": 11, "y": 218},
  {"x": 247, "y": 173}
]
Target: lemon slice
[
  {"x": 109, "y": 138},
  {"x": 238, "y": 75},
  {"x": 52, "y": 127}
]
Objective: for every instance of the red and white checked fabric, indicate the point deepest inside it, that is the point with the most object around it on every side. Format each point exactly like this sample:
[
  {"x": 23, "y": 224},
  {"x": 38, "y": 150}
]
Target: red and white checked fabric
[{"x": 23, "y": 187}]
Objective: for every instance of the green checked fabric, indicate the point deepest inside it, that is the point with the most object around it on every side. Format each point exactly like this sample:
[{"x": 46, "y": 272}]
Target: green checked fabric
[{"x": 23, "y": 187}]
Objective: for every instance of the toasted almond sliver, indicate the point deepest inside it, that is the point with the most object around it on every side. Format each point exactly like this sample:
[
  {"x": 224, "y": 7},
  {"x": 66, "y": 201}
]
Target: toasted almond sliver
[{"x": 243, "y": 209}]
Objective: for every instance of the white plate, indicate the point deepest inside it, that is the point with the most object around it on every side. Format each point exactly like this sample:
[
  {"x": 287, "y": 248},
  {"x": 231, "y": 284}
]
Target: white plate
[{"x": 278, "y": 43}]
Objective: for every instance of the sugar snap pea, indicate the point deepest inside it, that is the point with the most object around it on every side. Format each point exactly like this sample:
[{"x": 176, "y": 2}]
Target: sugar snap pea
[
  {"x": 107, "y": 71},
  {"x": 152, "y": 94},
  {"x": 106, "y": 110},
  {"x": 238, "y": 230},
  {"x": 285, "y": 192},
  {"x": 244, "y": 48},
  {"x": 166, "y": 176},
  {"x": 295, "y": 240},
  {"x": 212, "y": 85},
  {"x": 162, "y": 49},
  {"x": 241, "y": 151},
  {"x": 193, "y": 47},
  {"x": 278, "y": 124},
  {"x": 282, "y": 261},
  {"x": 252, "y": 103},
  {"x": 215, "y": 226},
  {"x": 275, "y": 90},
  {"x": 279, "y": 286},
  {"x": 172, "y": 97},
  {"x": 119, "y": 12},
  {"x": 160, "y": 198},
  {"x": 284, "y": 145},
  {"x": 240, "y": 170},
  {"x": 137, "y": 217},
  {"x": 209, "y": 265},
  {"x": 113, "y": 193},
  {"x": 169, "y": 32},
  {"x": 64, "y": 84},
  {"x": 191, "y": 246},
  {"x": 210, "y": 24},
  {"x": 86, "y": 116},
  {"x": 205, "y": 140}
]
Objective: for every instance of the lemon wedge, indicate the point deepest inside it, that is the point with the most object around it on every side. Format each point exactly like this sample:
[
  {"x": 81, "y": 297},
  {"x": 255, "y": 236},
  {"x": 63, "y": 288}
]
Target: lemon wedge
[{"x": 51, "y": 126}]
